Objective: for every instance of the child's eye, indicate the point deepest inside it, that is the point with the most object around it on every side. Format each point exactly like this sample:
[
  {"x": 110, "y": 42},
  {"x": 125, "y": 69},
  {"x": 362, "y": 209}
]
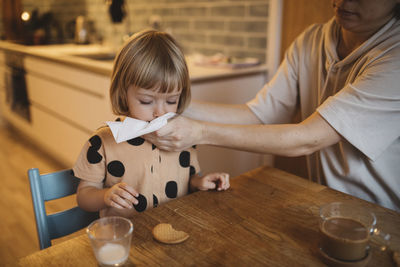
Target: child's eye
[
  {"x": 171, "y": 102},
  {"x": 144, "y": 102}
]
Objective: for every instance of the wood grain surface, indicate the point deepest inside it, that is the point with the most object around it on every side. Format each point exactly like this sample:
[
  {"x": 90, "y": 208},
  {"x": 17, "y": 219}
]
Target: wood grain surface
[{"x": 267, "y": 218}]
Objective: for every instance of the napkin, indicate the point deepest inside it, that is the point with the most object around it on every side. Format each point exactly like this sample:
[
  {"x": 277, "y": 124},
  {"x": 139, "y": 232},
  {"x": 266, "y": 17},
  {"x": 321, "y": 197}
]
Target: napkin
[{"x": 132, "y": 128}]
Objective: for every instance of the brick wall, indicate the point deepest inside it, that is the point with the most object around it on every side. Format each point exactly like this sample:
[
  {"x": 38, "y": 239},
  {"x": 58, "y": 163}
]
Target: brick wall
[{"x": 233, "y": 27}]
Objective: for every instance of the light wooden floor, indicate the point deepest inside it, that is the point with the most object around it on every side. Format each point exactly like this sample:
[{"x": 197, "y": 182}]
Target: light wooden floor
[{"x": 17, "y": 224}]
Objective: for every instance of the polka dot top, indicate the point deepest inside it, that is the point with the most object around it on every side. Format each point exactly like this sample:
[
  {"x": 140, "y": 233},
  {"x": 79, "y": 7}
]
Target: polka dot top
[{"x": 157, "y": 175}]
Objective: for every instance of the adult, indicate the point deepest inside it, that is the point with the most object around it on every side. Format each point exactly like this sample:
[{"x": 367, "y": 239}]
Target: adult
[{"x": 343, "y": 77}]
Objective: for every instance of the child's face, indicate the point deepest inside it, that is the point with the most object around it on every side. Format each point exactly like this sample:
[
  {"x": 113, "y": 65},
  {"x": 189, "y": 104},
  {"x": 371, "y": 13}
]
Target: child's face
[{"x": 146, "y": 105}]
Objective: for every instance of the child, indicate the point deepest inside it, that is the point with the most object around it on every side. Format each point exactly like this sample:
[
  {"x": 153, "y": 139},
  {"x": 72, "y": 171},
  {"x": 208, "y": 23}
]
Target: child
[{"x": 150, "y": 78}]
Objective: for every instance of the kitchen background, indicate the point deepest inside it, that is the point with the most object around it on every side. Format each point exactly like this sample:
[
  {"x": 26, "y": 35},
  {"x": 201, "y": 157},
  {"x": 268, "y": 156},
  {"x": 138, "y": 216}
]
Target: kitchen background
[
  {"x": 248, "y": 28},
  {"x": 235, "y": 28}
]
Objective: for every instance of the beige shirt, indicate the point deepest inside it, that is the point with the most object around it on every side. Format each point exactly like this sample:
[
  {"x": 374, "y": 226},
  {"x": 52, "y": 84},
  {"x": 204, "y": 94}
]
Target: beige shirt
[
  {"x": 157, "y": 175},
  {"x": 359, "y": 96}
]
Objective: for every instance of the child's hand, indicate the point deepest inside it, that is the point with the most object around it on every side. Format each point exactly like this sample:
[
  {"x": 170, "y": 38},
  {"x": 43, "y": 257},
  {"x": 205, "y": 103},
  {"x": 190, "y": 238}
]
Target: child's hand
[
  {"x": 218, "y": 180},
  {"x": 121, "y": 196}
]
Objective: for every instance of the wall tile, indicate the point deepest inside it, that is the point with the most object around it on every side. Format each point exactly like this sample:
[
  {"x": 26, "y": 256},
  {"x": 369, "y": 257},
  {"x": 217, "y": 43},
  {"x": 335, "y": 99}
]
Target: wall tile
[
  {"x": 259, "y": 10},
  {"x": 226, "y": 10},
  {"x": 257, "y": 42},
  {"x": 191, "y": 37},
  {"x": 192, "y": 11},
  {"x": 227, "y": 40},
  {"x": 248, "y": 26},
  {"x": 209, "y": 25}
]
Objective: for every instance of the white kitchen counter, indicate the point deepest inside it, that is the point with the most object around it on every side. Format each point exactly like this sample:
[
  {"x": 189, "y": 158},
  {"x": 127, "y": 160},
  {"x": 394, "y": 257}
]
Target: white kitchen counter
[{"x": 68, "y": 54}]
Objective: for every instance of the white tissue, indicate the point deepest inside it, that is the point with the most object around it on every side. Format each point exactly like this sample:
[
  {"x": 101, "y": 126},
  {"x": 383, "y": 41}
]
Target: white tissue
[{"x": 132, "y": 128}]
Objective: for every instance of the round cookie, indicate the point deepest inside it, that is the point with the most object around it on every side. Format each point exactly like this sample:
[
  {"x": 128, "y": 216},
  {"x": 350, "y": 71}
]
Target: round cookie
[{"x": 164, "y": 233}]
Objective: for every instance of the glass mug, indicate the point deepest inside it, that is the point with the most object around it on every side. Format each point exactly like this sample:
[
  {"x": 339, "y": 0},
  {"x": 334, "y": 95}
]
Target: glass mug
[
  {"x": 110, "y": 238},
  {"x": 346, "y": 230}
]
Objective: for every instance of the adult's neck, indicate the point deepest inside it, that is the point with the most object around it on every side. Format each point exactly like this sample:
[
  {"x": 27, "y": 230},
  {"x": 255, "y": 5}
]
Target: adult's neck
[{"x": 351, "y": 40}]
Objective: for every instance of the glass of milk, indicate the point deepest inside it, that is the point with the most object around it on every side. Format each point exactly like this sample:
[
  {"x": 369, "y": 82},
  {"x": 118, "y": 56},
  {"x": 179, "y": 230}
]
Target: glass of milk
[{"x": 111, "y": 240}]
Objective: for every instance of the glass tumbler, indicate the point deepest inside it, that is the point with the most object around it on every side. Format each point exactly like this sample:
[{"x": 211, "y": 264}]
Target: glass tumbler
[{"x": 110, "y": 238}]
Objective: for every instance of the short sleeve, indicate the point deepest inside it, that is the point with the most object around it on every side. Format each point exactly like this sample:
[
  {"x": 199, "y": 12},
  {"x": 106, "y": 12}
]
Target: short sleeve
[
  {"x": 90, "y": 165},
  {"x": 367, "y": 112},
  {"x": 277, "y": 101}
]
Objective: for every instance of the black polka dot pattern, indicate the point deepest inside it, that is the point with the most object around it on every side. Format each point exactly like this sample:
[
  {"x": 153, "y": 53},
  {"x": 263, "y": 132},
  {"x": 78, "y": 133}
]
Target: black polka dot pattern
[
  {"x": 192, "y": 170},
  {"x": 184, "y": 159},
  {"x": 136, "y": 141},
  {"x": 95, "y": 141},
  {"x": 116, "y": 168},
  {"x": 142, "y": 205},
  {"x": 92, "y": 155},
  {"x": 171, "y": 189},
  {"x": 155, "y": 201}
]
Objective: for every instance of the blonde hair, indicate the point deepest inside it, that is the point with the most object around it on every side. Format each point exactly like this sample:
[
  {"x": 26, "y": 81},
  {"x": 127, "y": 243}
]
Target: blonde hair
[{"x": 151, "y": 60}]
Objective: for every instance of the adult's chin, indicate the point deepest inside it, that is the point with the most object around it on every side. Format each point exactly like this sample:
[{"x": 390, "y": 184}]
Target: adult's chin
[{"x": 348, "y": 23}]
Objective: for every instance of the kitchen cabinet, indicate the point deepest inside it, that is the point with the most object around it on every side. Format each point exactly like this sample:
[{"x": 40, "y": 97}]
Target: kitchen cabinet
[
  {"x": 69, "y": 100},
  {"x": 67, "y": 105}
]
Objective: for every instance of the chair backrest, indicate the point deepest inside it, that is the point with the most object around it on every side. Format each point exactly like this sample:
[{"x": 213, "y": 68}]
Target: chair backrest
[{"x": 51, "y": 186}]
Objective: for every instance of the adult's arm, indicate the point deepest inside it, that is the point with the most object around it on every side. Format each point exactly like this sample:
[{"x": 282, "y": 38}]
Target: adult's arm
[
  {"x": 298, "y": 139},
  {"x": 260, "y": 129},
  {"x": 221, "y": 113}
]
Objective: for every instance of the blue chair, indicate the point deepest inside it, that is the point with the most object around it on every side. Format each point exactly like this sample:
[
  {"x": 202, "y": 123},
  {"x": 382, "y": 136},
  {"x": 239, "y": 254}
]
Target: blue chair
[{"x": 51, "y": 186}]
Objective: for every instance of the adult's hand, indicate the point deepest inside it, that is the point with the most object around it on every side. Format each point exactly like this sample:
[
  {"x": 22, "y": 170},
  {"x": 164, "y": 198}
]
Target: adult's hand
[{"x": 179, "y": 134}]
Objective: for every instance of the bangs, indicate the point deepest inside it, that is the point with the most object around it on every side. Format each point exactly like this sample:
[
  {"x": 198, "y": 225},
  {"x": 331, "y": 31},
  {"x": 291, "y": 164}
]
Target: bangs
[{"x": 159, "y": 78}]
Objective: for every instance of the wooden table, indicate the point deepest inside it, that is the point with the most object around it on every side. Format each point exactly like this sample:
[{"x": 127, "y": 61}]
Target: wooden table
[{"x": 267, "y": 218}]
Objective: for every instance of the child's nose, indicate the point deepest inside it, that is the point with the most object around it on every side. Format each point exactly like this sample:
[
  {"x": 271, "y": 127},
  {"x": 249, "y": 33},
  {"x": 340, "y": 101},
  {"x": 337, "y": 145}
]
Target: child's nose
[{"x": 158, "y": 111}]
